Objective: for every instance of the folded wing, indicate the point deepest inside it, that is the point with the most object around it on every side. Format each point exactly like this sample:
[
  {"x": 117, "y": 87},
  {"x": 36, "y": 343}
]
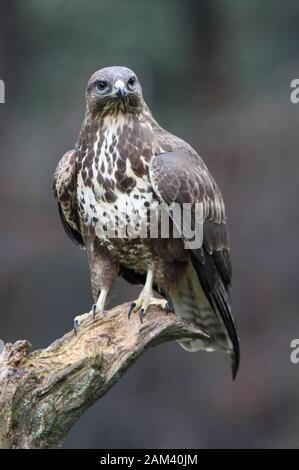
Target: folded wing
[
  {"x": 64, "y": 188},
  {"x": 181, "y": 176}
]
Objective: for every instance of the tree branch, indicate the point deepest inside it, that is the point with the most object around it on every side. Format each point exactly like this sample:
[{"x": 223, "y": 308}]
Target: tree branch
[{"x": 43, "y": 393}]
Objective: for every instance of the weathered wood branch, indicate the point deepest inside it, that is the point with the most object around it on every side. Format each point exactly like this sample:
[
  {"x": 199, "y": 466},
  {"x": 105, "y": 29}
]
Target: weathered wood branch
[{"x": 43, "y": 393}]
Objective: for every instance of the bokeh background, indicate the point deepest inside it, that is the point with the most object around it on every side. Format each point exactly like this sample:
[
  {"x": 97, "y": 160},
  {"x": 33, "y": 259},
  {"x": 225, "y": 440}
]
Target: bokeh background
[{"x": 217, "y": 73}]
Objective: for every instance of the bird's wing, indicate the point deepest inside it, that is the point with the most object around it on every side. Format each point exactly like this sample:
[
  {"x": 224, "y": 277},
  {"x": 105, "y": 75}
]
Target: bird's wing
[
  {"x": 181, "y": 176},
  {"x": 64, "y": 188}
]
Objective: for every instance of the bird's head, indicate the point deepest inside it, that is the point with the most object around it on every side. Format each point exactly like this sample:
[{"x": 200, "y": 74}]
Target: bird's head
[{"x": 114, "y": 89}]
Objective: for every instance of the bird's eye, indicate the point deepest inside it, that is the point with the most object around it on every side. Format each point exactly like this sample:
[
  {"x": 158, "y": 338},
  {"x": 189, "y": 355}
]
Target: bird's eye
[
  {"x": 101, "y": 85},
  {"x": 132, "y": 82}
]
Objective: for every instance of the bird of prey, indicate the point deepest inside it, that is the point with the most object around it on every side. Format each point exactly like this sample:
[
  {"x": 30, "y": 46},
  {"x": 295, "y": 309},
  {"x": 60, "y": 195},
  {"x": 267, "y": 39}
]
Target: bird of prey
[{"x": 124, "y": 158}]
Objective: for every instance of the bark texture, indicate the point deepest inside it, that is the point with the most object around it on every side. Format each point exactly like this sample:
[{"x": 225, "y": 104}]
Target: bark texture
[{"x": 43, "y": 393}]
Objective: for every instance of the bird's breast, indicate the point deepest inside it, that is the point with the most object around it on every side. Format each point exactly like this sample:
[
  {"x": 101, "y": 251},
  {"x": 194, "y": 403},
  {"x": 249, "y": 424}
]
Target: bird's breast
[{"x": 114, "y": 187}]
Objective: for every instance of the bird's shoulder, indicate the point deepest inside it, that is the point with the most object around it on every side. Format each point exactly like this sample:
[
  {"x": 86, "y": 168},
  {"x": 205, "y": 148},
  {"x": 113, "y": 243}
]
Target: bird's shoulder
[
  {"x": 183, "y": 175},
  {"x": 65, "y": 175},
  {"x": 64, "y": 189}
]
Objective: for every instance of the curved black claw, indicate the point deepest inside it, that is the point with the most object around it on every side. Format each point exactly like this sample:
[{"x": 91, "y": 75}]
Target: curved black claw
[
  {"x": 169, "y": 308},
  {"x": 141, "y": 314},
  {"x": 94, "y": 311},
  {"x": 130, "y": 309},
  {"x": 76, "y": 327}
]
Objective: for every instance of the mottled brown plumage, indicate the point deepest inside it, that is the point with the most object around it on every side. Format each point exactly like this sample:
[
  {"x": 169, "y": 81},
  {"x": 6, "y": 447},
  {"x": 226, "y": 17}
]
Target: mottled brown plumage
[{"x": 123, "y": 157}]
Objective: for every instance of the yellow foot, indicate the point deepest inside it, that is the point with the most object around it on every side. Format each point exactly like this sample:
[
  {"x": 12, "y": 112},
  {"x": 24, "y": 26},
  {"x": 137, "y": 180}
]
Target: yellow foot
[
  {"x": 144, "y": 302},
  {"x": 80, "y": 318}
]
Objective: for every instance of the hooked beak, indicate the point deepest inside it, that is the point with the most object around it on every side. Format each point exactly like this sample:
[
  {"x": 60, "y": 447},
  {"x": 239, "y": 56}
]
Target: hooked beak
[{"x": 120, "y": 89}]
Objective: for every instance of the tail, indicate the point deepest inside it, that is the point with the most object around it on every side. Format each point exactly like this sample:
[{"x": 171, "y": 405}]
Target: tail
[{"x": 190, "y": 302}]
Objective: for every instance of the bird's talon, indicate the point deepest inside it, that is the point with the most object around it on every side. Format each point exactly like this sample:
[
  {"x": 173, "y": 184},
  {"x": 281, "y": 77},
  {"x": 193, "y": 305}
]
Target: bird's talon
[
  {"x": 144, "y": 302},
  {"x": 168, "y": 308},
  {"x": 94, "y": 311},
  {"x": 130, "y": 309},
  {"x": 141, "y": 314}
]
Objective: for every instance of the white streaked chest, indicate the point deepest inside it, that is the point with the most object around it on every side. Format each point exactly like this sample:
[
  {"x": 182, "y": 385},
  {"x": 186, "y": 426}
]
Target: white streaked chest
[{"x": 94, "y": 206}]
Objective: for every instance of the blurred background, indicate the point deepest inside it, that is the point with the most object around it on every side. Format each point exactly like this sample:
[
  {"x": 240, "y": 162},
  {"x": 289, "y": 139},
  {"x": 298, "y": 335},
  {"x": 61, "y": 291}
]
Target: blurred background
[{"x": 217, "y": 73}]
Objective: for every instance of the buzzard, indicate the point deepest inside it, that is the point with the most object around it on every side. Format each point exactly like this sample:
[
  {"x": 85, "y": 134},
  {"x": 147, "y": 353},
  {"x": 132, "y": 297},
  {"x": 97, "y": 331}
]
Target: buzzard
[{"x": 124, "y": 158}]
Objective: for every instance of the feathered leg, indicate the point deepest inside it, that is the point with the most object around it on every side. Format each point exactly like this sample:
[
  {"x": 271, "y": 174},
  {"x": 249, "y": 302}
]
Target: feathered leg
[{"x": 103, "y": 272}]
